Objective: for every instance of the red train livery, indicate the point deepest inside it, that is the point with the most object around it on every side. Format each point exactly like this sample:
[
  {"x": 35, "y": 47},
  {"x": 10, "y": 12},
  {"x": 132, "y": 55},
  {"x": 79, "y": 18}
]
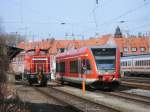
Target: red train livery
[
  {"x": 100, "y": 65},
  {"x": 37, "y": 66}
]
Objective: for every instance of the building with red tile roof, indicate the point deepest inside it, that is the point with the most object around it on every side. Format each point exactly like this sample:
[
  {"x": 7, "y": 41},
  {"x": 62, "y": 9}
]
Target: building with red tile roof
[{"x": 127, "y": 45}]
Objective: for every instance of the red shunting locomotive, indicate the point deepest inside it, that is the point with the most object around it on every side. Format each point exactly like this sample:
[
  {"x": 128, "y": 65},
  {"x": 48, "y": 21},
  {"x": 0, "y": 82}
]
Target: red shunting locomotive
[{"x": 37, "y": 66}]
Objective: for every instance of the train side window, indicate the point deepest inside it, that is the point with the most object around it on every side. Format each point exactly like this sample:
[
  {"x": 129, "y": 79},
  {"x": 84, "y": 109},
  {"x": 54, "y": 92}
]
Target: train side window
[
  {"x": 57, "y": 67},
  {"x": 62, "y": 67},
  {"x": 124, "y": 63},
  {"x": 145, "y": 63},
  {"x": 142, "y": 63},
  {"x": 121, "y": 63},
  {"x": 129, "y": 63},
  {"x": 74, "y": 66},
  {"x": 136, "y": 63},
  {"x": 149, "y": 62}
]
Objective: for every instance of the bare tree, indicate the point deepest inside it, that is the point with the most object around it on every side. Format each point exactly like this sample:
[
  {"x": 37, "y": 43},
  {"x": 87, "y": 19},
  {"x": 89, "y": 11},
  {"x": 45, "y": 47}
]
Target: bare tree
[
  {"x": 4, "y": 65},
  {"x": 13, "y": 39},
  {"x": 9, "y": 102}
]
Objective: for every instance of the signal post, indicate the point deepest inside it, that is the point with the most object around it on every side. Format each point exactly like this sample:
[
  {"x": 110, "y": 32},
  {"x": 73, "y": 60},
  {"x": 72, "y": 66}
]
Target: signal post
[{"x": 83, "y": 84}]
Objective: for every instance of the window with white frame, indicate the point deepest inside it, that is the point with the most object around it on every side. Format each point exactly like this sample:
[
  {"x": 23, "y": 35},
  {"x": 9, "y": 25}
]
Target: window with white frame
[
  {"x": 125, "y": 49},
  {"x": 142, "y": 49},
  {"x": 133, "y": 49}
]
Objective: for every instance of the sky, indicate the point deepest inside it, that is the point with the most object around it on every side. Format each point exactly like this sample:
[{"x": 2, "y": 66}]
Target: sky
[{"x": 69, "y": 19}]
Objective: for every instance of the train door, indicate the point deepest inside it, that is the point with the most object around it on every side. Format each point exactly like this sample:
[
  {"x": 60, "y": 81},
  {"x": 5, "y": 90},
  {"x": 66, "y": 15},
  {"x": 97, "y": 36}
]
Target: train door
[
  {"x": 40, "y": 67},
  {"x": 40, "y": 64},
  {"x": 85, "y": 68}
]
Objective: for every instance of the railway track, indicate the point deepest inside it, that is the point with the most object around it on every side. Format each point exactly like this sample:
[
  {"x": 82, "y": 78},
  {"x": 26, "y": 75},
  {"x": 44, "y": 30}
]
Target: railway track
[
  {"x": 136, "y": 85},
  {"x": 131, "y": 97},
  {"x": 46, "y": 93},
  {"x": 75, "y": 103},
  {"x": 52, "y": 103},
  {"x": 81, "y": 104},
  {"x": 137, "y": 79},
  {"x": 87, "y": 104},
  {"x": 125, "y": 95},
  {"x": 120, "y": 101},
  {"x": 122, "y": 93}
]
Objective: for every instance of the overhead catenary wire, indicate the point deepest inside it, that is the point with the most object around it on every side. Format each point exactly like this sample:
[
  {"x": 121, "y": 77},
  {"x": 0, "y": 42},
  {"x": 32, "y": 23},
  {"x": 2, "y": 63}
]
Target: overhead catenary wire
[
  {"x": 124, "y": 14},
  {"x": 109, "y": 22},
  {"x": 141, "y": 26}
]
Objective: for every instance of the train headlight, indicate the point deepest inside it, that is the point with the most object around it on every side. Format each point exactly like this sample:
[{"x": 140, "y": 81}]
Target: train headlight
[
  {"x": 106, "y": 73},
  {"x": 114, "y": 79},
  {"x": 98, "y": 72}
]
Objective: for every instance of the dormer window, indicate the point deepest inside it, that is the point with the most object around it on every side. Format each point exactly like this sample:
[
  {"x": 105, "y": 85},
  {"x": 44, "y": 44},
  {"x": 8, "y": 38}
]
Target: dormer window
[
  {"x": 133, "y": 49},
  {"x": 142, "y": 49},
  {"x": 125, "y": 49}
]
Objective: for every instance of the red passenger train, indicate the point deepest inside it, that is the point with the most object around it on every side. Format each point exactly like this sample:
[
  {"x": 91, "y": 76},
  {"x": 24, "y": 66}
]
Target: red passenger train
[
  {"x": 37, "y": 66},
  {"x": 100, "y": 65}
]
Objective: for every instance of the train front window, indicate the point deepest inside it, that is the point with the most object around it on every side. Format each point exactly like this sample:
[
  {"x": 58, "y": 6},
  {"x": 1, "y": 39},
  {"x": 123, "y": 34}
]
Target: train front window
[
  {"x": 105, "y": 64},
  {"x": 105, "y": 59}
]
